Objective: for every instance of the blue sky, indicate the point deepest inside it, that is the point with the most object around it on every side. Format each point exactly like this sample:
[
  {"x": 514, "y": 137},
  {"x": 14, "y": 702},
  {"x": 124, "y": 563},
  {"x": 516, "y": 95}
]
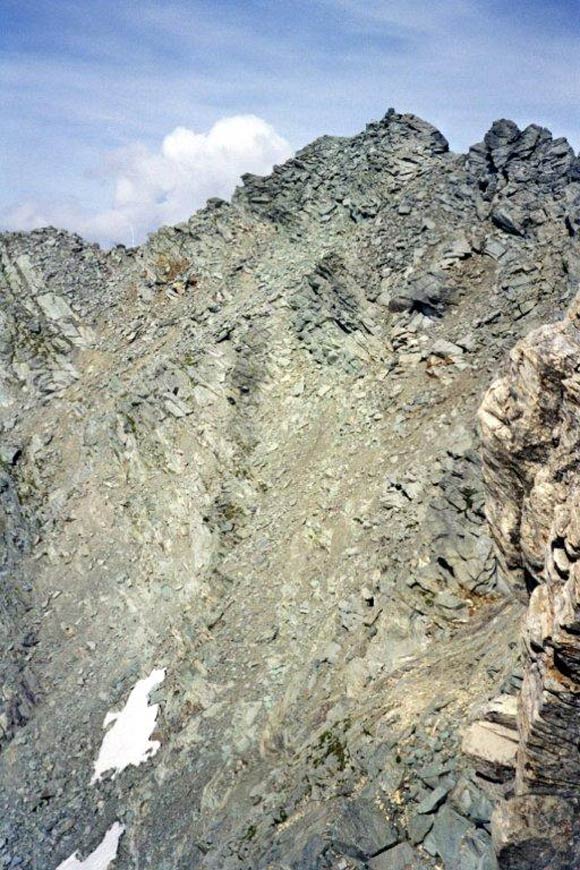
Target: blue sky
[{"x": 91, "y": 89}]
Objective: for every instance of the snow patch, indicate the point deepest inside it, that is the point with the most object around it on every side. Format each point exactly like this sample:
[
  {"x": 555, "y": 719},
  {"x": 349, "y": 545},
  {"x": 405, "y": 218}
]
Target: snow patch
[
  {"x": 104, "y": 854},
  {"x": 127, "y": 742}
]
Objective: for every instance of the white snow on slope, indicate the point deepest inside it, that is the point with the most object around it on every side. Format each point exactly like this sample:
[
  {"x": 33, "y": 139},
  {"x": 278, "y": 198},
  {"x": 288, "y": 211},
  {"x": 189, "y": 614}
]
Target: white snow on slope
[
  {"x": 104, "y": 854},
  {"x": 127, "y": 742}
]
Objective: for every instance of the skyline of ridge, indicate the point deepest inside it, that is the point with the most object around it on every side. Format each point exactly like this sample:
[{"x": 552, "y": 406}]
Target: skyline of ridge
[{"x": 117, "y": 124}]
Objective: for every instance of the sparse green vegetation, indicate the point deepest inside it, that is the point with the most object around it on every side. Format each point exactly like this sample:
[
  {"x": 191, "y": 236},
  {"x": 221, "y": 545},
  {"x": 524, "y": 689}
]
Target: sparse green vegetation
[{"x": 330, "y": 744}]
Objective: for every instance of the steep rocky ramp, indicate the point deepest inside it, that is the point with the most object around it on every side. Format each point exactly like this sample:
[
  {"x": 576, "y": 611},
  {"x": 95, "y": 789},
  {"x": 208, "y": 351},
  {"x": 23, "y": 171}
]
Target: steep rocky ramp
[{"x": 245, "y": 453}]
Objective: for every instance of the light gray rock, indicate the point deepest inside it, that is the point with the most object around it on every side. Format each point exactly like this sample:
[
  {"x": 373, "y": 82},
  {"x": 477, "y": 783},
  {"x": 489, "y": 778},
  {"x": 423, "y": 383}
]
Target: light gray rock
[
  {"x": 492, "y": 748},
  {"x": 401, "y": 857}
]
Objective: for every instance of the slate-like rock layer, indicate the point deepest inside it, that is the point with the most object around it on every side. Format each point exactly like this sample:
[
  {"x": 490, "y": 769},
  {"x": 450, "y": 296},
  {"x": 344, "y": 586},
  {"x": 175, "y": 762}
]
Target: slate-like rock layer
[{"x": 244, "y": 452}]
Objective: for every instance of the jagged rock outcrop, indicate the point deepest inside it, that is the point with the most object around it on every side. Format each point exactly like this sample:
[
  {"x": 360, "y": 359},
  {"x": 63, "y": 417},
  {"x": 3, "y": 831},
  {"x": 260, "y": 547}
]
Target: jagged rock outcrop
[
  {"x": 244, "y": 454},
  {"x": 530, "y": 423}
]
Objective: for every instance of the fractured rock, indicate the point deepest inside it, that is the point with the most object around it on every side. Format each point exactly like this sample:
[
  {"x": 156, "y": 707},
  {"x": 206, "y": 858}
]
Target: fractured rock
[{"x": 492, "y": 748}]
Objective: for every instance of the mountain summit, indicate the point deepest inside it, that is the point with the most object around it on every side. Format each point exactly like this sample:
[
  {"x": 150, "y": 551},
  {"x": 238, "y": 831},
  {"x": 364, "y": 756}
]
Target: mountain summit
[{"x": 243, "y": 521}]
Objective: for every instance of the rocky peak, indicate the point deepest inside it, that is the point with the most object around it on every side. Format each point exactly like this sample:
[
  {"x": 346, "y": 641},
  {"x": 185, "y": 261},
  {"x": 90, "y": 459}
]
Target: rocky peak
[
  {"x": 331, "y": 170},
  {"x": 519, "y": 174},
  {"x": 506, "y": 149},
  {"x": 239, "y": 466}
]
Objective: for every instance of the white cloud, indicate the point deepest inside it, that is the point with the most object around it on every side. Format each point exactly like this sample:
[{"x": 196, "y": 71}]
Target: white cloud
[{"x": 165, "y": 186}]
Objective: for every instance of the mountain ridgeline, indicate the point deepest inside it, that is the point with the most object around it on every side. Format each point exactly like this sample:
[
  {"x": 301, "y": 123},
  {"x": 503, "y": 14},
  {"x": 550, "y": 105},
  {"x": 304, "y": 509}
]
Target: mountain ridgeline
[{"x": 242, "y": 481}]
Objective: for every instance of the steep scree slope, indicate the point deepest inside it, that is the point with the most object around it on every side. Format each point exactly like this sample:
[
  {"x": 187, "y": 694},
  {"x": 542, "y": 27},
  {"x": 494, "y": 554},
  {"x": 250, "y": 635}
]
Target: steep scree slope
[{"x": 244, "y": 453}]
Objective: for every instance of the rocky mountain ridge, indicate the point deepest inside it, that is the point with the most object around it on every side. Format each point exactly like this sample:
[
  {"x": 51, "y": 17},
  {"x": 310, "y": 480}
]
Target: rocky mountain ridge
[{"x": 245, "y": 453}]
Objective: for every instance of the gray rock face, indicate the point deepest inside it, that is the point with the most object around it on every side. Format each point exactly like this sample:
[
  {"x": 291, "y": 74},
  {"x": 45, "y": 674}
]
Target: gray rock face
[
  {"x": 18, "y": 687},
  {"x": 492, "y": 748},
  {"x": 536, "y": 831},
  {"x": 245, "y": 453}
]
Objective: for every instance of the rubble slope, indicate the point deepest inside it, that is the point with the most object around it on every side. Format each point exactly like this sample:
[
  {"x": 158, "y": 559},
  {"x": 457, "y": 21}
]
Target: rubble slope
[{"x": 244, "y": 453}]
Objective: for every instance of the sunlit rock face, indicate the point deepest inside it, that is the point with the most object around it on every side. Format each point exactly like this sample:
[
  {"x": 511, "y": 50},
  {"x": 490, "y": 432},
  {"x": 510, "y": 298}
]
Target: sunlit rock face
[
  {"x": 530, "y": 422},
  {"x": 245, "y": 454}
]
